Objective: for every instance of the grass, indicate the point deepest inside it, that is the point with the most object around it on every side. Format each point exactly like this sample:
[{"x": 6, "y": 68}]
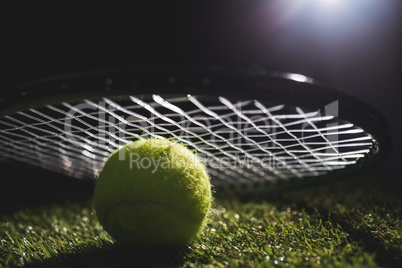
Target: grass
[{"x": 347, "y": 224}]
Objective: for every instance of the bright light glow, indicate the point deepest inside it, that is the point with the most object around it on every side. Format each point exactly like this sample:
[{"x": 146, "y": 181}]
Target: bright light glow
[
  {"x": 330, "y": 2},
  {"x": 331, "y": 5},
  {"x": 298, "y": 78}
]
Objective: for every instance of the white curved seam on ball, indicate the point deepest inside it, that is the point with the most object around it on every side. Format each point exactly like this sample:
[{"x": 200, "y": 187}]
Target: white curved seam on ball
[{"x": 144, "y": 204}]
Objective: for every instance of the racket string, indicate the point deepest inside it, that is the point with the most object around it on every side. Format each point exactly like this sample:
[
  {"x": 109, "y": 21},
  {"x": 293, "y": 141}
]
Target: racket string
[{"x": 240, "y": 141}]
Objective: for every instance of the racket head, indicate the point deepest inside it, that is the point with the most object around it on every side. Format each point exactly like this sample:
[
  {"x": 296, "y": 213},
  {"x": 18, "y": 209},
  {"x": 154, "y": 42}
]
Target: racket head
[{"x": 207, "y": 88}]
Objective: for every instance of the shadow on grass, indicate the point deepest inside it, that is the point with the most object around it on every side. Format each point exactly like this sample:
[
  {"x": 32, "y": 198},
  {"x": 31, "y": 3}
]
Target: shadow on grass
[
  {"x": 115, "y": 256},
  {"x": 346, "y": 204},
  {"x": 369, "y": 187},
  {"x": 26, "y": 186}
]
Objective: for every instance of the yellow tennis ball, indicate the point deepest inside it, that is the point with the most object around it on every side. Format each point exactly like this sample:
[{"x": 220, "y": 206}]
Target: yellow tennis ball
[{"x": 153, "y": 192}]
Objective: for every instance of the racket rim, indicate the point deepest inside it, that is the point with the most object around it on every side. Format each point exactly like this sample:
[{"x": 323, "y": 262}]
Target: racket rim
[{"x": 179, "y": 79}]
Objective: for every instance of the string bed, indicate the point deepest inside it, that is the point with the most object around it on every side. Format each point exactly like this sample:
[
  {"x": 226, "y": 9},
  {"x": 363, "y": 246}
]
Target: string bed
[{"x": 241, "y": 141}]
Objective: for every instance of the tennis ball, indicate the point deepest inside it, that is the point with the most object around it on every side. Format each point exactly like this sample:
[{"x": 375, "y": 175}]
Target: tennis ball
[{"x": 153, "y": 192}]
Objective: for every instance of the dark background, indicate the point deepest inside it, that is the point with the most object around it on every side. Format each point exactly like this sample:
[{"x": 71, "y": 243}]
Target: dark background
[{"x": 355, "y": 47}]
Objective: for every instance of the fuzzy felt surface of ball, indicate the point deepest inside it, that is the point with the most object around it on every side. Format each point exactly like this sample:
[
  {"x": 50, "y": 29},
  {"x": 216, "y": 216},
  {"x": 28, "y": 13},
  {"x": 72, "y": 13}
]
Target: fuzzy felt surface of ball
[{"x": 153, "y": 192}]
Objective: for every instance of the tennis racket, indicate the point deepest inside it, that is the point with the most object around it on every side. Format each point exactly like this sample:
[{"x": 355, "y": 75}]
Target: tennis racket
[{"x": 255, "y": 130}]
